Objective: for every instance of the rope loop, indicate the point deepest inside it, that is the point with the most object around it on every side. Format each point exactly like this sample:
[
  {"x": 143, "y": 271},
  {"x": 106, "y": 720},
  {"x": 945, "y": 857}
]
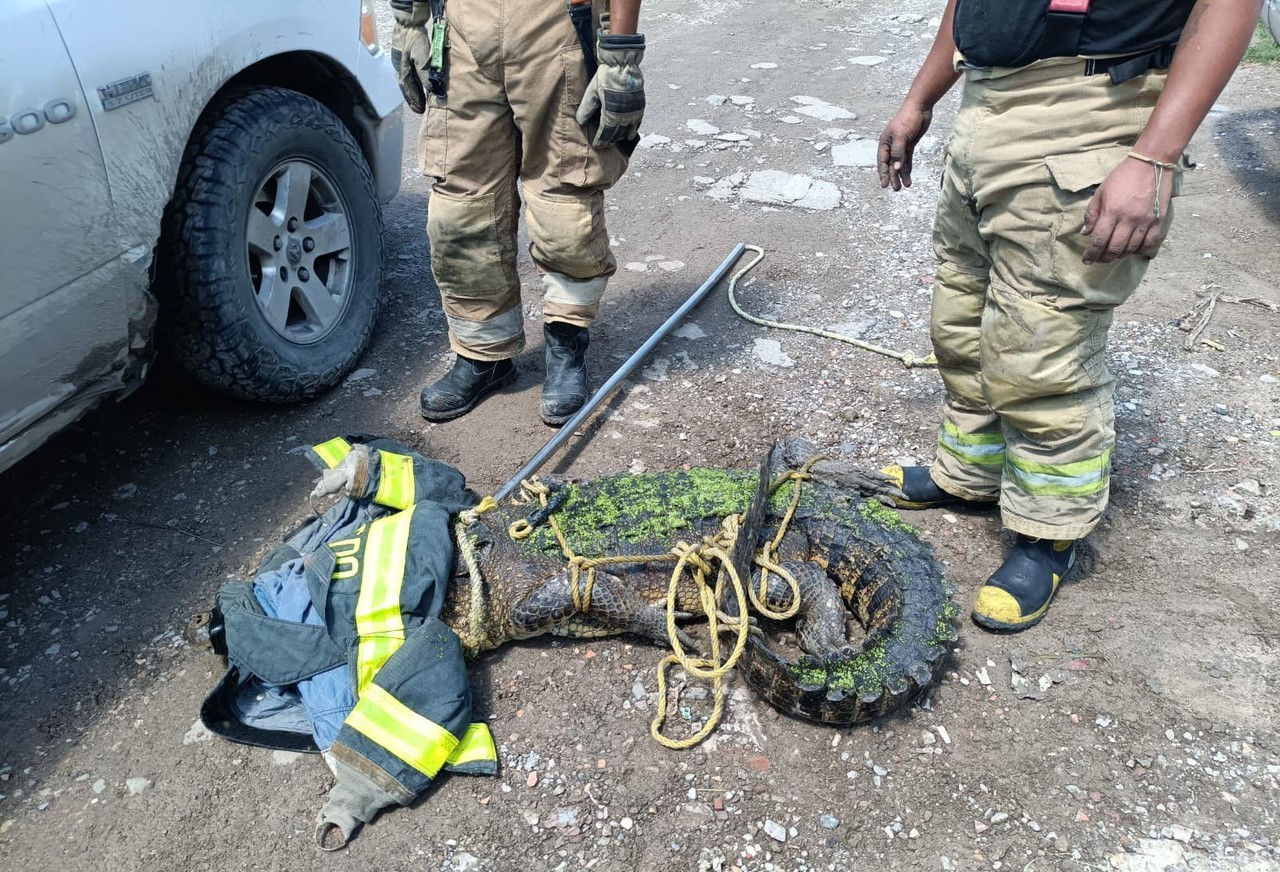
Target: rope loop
[
  {"x": 907, "y": 359},
  {"x": 708, "y": 564}
]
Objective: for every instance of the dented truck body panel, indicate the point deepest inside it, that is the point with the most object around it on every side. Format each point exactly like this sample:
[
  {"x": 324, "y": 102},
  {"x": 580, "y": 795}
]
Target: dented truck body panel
[{"x": 97, "y": 103}]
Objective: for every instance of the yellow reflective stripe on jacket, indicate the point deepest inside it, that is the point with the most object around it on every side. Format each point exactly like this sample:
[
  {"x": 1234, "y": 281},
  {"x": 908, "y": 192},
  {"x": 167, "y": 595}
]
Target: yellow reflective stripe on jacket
[
  {"x": 975, "y": 449},
  {"x": 390, "y": 724},
  {"x": 1082, "y": 478},
  {"x": 476, "y": 745},
  {"x": 395, "y": 481},
  {"x": 332, "y": 452},
  {"x": 379, "y": 622}
]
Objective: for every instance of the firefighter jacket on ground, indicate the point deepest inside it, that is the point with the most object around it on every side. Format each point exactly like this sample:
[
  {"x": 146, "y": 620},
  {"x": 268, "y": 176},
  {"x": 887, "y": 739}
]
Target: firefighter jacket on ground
[{"x": 336, "y": 645}]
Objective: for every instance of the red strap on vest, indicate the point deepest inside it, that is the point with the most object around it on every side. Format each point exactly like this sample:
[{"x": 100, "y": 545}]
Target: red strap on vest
[{"x": 1076, "y": 7}]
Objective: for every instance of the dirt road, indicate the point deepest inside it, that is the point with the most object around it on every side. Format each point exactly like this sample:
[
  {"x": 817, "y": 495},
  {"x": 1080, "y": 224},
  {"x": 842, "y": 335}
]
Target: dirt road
[{"x": 1155, "y": 743}]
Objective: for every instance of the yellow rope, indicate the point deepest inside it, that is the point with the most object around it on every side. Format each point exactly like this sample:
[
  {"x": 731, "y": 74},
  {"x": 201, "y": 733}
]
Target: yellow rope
[
  {"x": 908, "y": 359},
  {"x": 700, "y": 561},
  {"x": 710, "y": 668},
  {"x": 475, "y": 617}
]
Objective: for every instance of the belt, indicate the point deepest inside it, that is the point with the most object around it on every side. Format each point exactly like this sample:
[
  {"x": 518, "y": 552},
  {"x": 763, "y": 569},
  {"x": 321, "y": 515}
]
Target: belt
[{"x": 1122, "y": 69}]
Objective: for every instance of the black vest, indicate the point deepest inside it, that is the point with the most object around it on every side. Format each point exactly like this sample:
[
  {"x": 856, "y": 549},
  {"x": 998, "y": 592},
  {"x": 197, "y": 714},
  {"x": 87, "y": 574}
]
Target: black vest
[{"x": 1013, "y": 33}]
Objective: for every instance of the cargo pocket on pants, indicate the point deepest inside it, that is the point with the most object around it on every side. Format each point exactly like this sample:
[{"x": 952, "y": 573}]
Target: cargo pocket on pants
[
  {"x": 572, "y": 149},
  {"x": 433, "y": 141},
  {"x": 1075, "y": 179}
]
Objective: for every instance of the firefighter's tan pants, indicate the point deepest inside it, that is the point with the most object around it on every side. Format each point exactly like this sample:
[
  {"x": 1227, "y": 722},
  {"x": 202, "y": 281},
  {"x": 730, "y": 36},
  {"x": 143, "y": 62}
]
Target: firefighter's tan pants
[
  {"x": 506, "y": 128},
  {"x": 1019, "y": 323}
]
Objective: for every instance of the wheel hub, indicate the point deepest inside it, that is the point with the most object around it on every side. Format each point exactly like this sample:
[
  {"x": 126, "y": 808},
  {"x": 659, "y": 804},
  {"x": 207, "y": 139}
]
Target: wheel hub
[{"x": 299, "y": 247}]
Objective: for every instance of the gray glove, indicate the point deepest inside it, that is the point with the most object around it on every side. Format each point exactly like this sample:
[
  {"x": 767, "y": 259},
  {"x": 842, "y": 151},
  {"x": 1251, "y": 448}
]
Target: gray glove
[
  {"x": 411, "y": 50},
  {"x": 617, "y": 89}
]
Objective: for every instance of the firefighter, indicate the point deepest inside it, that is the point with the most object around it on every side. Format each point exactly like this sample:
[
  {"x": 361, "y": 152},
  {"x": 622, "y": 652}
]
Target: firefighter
[
  {"x": 1056, "y": 186},
  {"x": 513, "y": 111}
]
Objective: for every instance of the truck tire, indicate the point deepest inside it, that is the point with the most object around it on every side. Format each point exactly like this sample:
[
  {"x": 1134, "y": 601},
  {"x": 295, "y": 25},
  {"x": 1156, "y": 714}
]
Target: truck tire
[{"x": 269, "y": 266}]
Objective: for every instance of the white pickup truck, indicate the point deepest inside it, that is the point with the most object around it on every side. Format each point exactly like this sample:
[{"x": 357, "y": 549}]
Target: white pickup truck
[{"x": 201, "y": 178}]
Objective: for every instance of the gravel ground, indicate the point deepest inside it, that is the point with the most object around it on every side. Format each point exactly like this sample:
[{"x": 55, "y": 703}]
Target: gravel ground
[{"x": 1134, "y": 729}]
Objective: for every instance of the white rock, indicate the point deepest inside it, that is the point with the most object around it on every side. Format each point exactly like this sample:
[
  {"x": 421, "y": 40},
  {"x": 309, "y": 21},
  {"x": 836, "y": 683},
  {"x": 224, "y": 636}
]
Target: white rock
[
  {"x": 99, "y": 786},
  {"x": 775, "y": 831},
  {"x": 721, "y": 190},
  {"x": 362, "y": 374},
  {"x": 827, "y": 112},
  {"x": 776, "y": 188},
  {"x": 867, "y": 60},
  {"x": 717, "y": 99},
  {"x": 464, "y": 862},
  {"x": 790, "y": 119},
  {"x": 689, "y": 331},
  {"x": 732, "y": 137},
  {"x": 285, "y": 758},
  {"x": 766, "y": 65},
  {"x": 701, "y": 127},
  {"x": 1204, "y": 369},
  {"x": 859, "y": 153},
  {"x": 1151, "y": 855},
  {"x": 626, "y": 823},
  {"x": 742, "y": 100},
  {"x": 1250, "y": 486},
  {"x": 636, "y": 266},
  {"x": 1241, "y": 545},
  {"x": 670, "y": 265},
  {"x": 137, "y": 785},
  {"x": 198, "y": 732},
  {"x": 770, "y": 351},
  {"x": 653, "y": 140}
]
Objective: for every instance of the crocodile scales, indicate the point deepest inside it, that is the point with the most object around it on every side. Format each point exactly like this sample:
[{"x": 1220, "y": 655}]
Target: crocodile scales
[{"x": 848, "y": 555}]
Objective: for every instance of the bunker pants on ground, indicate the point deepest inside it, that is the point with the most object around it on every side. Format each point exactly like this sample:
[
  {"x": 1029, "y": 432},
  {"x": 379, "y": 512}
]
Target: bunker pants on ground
[
  {"x": 516, "y": 77},
  {"x": 1019, "y": 322}
]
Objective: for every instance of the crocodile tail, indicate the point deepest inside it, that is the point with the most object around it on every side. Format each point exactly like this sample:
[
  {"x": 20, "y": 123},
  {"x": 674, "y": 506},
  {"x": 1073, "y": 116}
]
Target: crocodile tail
[{"x": 895, "y": 588}]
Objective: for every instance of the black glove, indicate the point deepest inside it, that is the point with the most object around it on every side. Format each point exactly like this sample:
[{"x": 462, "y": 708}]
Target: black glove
[{"x": 617, "y": 89}]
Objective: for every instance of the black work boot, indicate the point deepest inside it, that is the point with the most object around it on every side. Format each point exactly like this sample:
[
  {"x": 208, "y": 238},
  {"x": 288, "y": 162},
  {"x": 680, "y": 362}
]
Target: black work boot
[
  {"x": 463, "y": 386},
  {"x": 565, "y": 390},
  {"x": 1017, "y": 595},
  {"x": 920, "y": 491}
]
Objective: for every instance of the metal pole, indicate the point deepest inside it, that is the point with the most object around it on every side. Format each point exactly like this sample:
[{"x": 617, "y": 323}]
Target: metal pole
[{"x": 535, "y": 462}]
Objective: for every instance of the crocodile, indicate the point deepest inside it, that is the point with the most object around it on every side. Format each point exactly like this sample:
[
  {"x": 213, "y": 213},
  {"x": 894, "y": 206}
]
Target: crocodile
[{"x": 848, "y": 556}]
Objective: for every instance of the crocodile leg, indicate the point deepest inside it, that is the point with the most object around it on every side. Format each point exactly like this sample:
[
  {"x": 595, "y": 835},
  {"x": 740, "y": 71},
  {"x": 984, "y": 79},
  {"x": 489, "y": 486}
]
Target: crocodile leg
[
  {"x": 820, "y": 621},
  {"x": 613, "y": 608}
]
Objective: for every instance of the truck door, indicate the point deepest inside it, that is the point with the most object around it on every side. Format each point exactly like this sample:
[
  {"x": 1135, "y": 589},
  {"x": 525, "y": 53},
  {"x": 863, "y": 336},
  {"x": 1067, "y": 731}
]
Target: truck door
[{"x": 62, "y": 328}]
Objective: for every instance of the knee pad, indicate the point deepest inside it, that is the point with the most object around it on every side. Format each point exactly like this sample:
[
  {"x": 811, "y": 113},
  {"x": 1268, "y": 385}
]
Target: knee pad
[
  {"x": 1044, "y": 369},
  {"x": 473, "y": 246},
  {"x": 567, "y": 235}
]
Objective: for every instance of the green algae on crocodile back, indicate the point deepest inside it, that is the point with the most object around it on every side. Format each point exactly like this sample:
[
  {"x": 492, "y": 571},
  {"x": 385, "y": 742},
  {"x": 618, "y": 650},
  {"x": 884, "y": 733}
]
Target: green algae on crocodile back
[{"x": 885, "y": 575}]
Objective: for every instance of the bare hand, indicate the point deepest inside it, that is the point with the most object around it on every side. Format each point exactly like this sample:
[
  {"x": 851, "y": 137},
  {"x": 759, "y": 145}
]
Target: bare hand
[
  {"x": 1121, "y": 218},
  {"x": 898, "y": 145}
]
